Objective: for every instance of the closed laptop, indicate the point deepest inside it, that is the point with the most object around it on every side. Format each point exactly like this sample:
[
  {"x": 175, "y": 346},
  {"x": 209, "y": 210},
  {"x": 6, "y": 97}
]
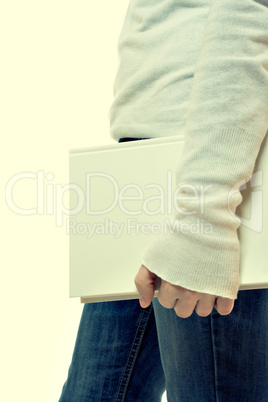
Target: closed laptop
[{"x": 122, "y": 197}]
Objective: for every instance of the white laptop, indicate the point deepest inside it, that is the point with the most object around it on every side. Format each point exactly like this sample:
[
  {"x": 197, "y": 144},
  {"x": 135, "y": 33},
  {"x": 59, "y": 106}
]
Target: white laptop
[{"x": 114, "y": 199}]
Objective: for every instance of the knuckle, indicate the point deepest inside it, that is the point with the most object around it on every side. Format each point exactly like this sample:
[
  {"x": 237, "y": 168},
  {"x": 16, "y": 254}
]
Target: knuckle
[
  {"x": 188, "y": 295},
  {"x": 163, "y": 302},
  {"x": 183, "y": 311},
  {"x": 224, "y": 311},
  {"x": 225, "y": 307},
  {"x": 167, "y": 288},
  {"x": 188, "y": 302},
  {"x": 183, "y": 315},
  {"x": 203, "y": 313}
]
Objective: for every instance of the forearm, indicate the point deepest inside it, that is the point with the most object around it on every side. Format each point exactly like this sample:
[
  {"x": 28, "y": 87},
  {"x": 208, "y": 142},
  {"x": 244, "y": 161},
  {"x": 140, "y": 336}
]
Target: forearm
[{"x": 226, "y": 122}]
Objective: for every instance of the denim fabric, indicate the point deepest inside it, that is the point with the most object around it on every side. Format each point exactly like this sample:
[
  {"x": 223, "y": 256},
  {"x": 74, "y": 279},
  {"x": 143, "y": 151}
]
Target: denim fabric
[
  {"x": 216, "y": 358},
  {"x": 116, "y": 355},
  {"x": 126, "y": 353}
]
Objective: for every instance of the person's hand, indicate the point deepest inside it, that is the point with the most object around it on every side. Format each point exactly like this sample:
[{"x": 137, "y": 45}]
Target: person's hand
[{"x": 183, "y": 301}]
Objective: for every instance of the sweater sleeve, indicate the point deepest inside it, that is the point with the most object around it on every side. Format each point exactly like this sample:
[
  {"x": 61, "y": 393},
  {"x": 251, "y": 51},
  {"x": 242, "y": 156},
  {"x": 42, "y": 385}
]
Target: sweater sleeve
[{"x": 227, "y": 121}]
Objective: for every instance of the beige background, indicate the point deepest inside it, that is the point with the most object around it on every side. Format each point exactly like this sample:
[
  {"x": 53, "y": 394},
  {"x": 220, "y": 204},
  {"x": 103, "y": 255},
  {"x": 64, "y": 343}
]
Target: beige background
[{"x": 59, "y": 60}]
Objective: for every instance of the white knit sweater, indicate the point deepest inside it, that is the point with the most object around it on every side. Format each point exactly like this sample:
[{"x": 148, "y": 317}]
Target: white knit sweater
[{"x": 197, "y": 68}]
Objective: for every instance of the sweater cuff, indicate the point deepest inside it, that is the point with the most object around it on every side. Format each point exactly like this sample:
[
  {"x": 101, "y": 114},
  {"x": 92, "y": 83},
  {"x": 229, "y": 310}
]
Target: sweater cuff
[{"x": 196, "y": 264}]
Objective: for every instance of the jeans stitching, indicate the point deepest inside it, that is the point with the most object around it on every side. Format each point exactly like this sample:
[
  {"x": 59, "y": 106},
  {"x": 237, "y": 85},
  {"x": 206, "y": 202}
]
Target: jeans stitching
[
  {"x": 133, "y": 354},
  {"x": 214, "y": 357}
]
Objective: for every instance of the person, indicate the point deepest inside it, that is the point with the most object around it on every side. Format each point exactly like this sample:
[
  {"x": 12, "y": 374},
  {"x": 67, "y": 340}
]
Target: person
[{"x": 198, "y": 69}]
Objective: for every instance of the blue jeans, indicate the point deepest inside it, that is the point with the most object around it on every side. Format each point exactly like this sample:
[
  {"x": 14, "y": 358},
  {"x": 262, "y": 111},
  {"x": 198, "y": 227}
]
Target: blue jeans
[{"x": 126, "y": 353}]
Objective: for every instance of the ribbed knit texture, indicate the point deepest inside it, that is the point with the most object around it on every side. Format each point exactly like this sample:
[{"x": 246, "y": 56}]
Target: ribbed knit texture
[{"x": 198, "y": 68}]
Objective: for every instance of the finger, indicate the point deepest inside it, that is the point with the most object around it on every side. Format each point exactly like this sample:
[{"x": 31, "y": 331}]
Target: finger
[
  {"x": 168, "y": 294},
  {"x": 144, "y": 282},
  {"x": 223, "y": 305},
  {"x": 205, "y": 305},
  {"x": 184, "y": 308},
  {"x": 185, "y": 305}
]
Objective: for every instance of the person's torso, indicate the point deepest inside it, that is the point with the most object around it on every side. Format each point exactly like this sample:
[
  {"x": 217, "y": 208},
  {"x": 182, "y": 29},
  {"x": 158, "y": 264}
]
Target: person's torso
[{"x": 158, "y": 48}]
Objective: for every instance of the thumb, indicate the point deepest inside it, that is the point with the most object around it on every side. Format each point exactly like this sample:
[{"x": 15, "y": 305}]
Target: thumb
[{"x": 144, "y": 281}]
